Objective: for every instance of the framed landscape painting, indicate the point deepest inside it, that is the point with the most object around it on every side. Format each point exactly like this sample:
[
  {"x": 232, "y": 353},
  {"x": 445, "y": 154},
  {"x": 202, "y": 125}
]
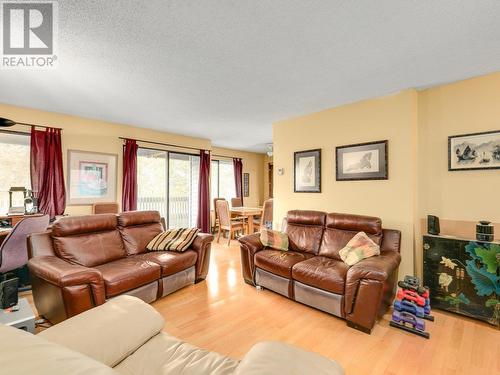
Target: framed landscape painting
[
  {"x": 307, "y": 171},
  {"x": 91, "y": 177},
  {"x": 363, "y": 161},
  {"x": 474, "y": 151}
]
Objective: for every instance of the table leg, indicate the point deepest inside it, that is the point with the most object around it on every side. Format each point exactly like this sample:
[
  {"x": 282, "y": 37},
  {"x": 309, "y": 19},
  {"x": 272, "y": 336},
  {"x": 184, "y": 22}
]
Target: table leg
[{"x": 250, "y": 224}]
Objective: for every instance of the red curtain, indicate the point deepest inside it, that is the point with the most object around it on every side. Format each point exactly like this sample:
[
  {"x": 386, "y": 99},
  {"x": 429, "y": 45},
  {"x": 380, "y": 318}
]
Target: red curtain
[
  {"x": 238, "y": 178},
  {"x": 129, "y": 188},
  {"x": 47, "y": 181},
  {"x": 204, "y": 192}
]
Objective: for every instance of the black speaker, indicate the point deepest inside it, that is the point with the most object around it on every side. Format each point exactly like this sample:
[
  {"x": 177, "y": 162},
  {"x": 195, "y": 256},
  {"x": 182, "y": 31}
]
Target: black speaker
[
  {"x": 433, "y": 225},
  {"x": 485, "y": 231},
  {"x": 8, "y": 293}
]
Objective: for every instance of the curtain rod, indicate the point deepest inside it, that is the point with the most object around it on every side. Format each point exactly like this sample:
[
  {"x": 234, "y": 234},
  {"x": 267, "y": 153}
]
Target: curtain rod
[
  {"x": 162, "y": 144},
  {"x": 172, "y": 145},
  {"x": 38, "y": 126}
]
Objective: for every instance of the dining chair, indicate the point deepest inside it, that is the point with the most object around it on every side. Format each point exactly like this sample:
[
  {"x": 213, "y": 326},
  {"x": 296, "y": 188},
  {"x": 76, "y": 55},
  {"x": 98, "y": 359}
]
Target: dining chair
[
  {"x": 105, "y": 208},
  {"x": 14, "y": 249},
  {"x": 225, "y": 222},
  {"x": 236, "y": 202},
  {"x": 216, "y": 217},
  {"x": 266, "y": 219}
]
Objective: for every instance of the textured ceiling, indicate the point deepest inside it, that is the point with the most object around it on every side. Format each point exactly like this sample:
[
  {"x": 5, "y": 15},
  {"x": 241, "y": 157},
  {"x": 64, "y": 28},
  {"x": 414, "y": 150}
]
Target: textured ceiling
[{"x": 225, "y": 70}]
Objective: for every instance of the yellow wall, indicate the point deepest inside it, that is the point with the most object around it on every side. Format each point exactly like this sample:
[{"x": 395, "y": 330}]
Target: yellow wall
[
  {"x": 392, "y": 118},
  {"x": 417, "y": 125},
  {"x": 253, "y": 164},
  {"x": 459, "y": 198},
  {"x": 98, "y": 136}
]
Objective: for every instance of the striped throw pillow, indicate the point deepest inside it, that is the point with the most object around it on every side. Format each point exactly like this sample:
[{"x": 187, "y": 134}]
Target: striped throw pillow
[
  {"x": 173, "y": 240},
  {"x": 274, "y": 239}
]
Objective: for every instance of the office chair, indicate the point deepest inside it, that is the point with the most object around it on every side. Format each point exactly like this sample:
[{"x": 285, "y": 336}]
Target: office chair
[{"x": 14, "y": 249}]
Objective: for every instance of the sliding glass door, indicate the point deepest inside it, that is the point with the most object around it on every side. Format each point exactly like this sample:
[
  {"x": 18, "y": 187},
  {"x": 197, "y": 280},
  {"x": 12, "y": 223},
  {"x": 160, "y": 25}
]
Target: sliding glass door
[
  {"x": 183, "y": 178},
  {"x": 168, "y": 183}
]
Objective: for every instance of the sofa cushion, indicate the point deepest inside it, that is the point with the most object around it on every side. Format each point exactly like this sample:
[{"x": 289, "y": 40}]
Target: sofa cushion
[
  {"x": 88, "y": 240},
  {"x": 171, "y": 262},
  {"x": 173, "y": 240},
  {"x": 167, "y": 355},
  {"x": 128, "y": 273},
  {"x": 138, "y": 228},
  {"x": 104, "y": 333},
  {"x": 341, "y": 228},
  {"x": 323, "y": 273},
  {"x": 24, "y": 353},
  {"x": 305, "y": 230},
  {"x": 279, "y": 262}
]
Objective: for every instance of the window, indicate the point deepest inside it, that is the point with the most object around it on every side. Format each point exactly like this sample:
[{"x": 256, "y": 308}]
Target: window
[
  {"x": 168, "y": 183},
  {"x": 14, "y": 168},
  {"x": 222, "y": 180}
]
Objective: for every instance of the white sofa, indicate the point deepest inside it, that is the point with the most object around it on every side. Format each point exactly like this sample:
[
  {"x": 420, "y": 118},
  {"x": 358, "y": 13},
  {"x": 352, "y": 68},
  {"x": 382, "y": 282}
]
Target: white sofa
[{"x": 124, "y": 336}]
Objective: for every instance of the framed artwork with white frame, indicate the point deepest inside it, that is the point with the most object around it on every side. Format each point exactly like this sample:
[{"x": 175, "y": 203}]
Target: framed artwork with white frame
[{"x": 92, "y": 177}]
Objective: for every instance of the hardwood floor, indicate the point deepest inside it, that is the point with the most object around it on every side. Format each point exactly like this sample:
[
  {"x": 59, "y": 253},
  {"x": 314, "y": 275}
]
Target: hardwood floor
[{"x": 226, "y": 315}]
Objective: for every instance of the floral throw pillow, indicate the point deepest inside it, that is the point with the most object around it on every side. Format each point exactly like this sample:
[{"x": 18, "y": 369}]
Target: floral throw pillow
[
  {"x": 358, "y": 248},
  {"x": 274, "y": 239}
]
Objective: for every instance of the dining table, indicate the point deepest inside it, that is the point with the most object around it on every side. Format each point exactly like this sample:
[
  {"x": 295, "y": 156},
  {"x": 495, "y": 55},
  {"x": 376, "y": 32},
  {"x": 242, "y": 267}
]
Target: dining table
[{"x": 249, "y": 213}]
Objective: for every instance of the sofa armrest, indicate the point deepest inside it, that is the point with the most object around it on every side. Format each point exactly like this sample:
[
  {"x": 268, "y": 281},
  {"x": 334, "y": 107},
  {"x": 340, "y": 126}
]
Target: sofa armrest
[
  {"x": 61, "y": 289},
  {"x": 108, "y": 333},
  {"x": 249, "y": 245},
  {"x": 369, "y": 289},
  {"x": 202, "y": 245},
  {"x": 269, "y": 358}
]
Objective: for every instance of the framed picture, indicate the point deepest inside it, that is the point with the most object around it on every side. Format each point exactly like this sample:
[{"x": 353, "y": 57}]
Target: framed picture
[
  {"x": 246, "y": 184},
  {"x": 363, "y": 161},
  {"x": 307, "y": 171},
  {"x": 91, "y": 177},
  {"x": 474, "y": 151}
]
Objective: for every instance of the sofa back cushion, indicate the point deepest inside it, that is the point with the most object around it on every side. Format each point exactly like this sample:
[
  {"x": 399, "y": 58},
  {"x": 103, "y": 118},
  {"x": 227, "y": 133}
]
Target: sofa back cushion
[
  {"x": 88, "y": 240},
  {"x": 137, "y": 228},
  {"x": 341, "y": 228},
  {"x": 305, "y": 230}
]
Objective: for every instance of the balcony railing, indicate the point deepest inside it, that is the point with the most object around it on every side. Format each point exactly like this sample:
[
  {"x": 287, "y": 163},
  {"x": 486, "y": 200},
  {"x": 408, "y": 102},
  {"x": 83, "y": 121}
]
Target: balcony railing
[{"x": 182, "y": 210}]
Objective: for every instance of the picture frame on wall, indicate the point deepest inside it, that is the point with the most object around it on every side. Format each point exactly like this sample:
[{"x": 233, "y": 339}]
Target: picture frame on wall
[
  {"x": 92, "y": 177},
  {"x": 307, "y": 171},
  {"x": 475, "y": 151},
  {"x": 362, "y": 161},
  {"x": 246, "y": 184}
]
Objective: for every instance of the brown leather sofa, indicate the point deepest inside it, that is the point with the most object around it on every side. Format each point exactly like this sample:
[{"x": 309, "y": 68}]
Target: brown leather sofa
[
  {"x": 312, "y": 272},
  {"x": 84, "y": 261}
]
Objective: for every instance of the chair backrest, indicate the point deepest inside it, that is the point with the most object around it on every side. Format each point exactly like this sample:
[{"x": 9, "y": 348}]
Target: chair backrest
[
  {"x": 266, "y": 220},
  {"x": 14, "y": 250},
  {"x": 105, "y": 208},
  {"x": 215, "y": 206},
  {"x": 236, "y": 202},
  {"x": 222, "y": 209}
]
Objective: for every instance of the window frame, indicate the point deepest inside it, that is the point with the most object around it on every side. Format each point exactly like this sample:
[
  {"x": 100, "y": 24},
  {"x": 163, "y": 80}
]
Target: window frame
[{"x": 167, "y": 175}]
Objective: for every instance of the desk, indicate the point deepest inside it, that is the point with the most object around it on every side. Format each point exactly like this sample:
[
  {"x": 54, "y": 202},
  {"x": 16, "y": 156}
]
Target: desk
[{"x": 249, "y": 213}]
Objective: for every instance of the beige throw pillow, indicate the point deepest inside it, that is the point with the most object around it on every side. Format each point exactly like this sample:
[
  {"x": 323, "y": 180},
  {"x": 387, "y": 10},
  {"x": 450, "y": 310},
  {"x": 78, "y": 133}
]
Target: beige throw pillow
[
  {"x": 173, "y": 240},
  {"x": 358, "y": 248}
]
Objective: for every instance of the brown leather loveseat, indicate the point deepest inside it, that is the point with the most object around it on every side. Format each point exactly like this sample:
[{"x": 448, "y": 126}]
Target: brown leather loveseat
[
  {"x": 83, "y": 261},
  {"x": 312, "y": 272}
]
